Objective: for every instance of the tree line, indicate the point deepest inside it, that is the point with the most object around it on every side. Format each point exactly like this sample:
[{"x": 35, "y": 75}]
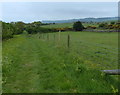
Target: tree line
[
  {"x": 10, "y": 29},
  {"x": 15, "y": 28},
  {"x": 105, "y": 25}
]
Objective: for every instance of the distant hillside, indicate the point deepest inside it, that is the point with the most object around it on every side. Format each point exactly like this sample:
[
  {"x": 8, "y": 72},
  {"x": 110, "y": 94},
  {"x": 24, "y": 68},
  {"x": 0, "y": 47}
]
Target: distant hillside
[{"x": 82, "y": 20}]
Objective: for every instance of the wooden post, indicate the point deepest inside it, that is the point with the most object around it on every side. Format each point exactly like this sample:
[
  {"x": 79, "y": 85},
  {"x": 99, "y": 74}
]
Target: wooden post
[
  {"x": 39, "y": 35},
  {"x": 112, "y": 72},
  {"x": 54, "y": 37},
  {"x": 68, "y": 44},
  {"x": 59, "y": 34}
]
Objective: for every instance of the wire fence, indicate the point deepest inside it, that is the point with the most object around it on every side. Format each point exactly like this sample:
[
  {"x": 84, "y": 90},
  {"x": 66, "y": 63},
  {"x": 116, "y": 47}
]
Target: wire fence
[{"x": 92, "y": 51}]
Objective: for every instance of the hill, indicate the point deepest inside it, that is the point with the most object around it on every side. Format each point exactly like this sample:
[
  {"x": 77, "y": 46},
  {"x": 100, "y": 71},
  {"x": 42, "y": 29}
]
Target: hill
[{"x": 83, "y": 20}]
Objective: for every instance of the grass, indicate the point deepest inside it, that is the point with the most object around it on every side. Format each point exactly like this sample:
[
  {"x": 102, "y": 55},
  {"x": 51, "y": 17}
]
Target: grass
[
  {"x": 64, "y": 25},
  {"x": 0, "y": 67},
  {"x": 33, "y": 65},
  {"x": 58, "y": 25}
]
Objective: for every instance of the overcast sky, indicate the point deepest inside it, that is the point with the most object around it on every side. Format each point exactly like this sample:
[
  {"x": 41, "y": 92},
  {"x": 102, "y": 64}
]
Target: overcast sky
[{"x": 38, "y": 11}]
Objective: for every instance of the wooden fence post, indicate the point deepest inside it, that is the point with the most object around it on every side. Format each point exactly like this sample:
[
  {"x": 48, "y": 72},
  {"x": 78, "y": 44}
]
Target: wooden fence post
[
  {"x": 39, "y": 35},
  {"x": 68, "y": 42},
  {"x": 59, "y": 34}
]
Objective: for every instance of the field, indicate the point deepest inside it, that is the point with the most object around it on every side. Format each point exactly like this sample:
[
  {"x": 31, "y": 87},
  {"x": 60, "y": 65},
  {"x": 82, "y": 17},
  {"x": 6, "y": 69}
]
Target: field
[
  {"x": 43, "y": 63},
  {"x": 64, "y": 25},
  {"x": 0, "y": 67},
  {"x": 58, "y": 25}
]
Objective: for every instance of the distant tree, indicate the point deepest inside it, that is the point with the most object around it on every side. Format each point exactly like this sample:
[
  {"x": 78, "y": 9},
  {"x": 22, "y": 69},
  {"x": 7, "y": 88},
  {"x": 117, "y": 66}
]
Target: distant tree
[
  {"x": 77, "y": 26},
  {"x": 112, "y": 22},
  {"x": 103, "y": 25},
  {"x": 7, "y": 30},
  {"x": 91, "y": 22},
  {"x": 36, "y": 24},
  {"x": 19, "y": 27}
]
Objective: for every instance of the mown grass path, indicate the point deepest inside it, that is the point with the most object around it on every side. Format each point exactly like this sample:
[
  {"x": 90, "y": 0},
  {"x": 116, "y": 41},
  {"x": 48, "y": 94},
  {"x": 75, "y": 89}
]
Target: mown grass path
[{"x": 33, "y": 65}]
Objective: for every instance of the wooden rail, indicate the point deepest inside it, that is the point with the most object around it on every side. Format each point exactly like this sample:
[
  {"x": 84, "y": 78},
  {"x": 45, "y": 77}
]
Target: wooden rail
[{"x": 112, "y": 72}]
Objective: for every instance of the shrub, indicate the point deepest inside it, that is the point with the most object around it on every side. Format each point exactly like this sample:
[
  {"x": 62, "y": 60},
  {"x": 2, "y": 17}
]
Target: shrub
[
  {"x": 7, "y": 30},
  {"x": 19, "y": 27},
  {"x": 77, "y": 26},
  {"x": 91, "y": 27}
]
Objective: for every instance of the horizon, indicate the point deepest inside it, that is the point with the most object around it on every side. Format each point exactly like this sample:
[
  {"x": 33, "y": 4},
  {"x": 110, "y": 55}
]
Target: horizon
[
  {"x": 58, "y": 20},
  {"x": 38, "y": 11},
  {"x": 84, "y": 18}
]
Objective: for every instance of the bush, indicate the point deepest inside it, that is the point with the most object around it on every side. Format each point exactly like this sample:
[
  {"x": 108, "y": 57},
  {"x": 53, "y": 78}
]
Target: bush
[
  {"x": 13, "y": 28},
  {"x": 19, "y": 27},
  {"x": 103, "y": 25},
  {"x": 77, "y": 26},
  {"x": 34, "y": 30},
  {"x": 7, "y": 30},
  {"x": 112, "y": 22},
  {"x": 91, "y": 27}
]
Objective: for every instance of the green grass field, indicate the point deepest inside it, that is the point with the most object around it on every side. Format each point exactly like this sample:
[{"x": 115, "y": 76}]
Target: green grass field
[
  {"x": 0, "y": 67},
  {"x": 64, "y": 25},
  {"x": 42, "y": 63},
  {"x": 58, "y": 25}
]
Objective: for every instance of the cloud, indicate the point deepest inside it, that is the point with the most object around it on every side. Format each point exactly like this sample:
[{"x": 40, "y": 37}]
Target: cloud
[{"x": 31, "y": 11}]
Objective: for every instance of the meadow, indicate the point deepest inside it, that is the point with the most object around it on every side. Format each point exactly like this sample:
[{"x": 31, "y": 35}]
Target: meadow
[
  {"x": 0, "y": 67},
  {"x": 43, "y": 63},
  {"x": 68, "y": 25}
]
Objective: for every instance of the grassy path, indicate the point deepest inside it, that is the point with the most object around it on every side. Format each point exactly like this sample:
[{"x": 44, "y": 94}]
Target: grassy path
[{"x": 31, "y": 65}]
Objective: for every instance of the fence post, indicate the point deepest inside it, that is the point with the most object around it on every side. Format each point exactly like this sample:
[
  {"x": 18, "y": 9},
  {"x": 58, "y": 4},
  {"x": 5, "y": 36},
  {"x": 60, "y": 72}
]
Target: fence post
[
  {"x": 68, "y": 42},
  {"x": 59, "y": 34}
]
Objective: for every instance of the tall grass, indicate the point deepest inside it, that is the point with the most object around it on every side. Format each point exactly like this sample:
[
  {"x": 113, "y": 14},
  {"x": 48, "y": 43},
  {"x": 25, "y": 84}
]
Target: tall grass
[{"x": 38, "y": 65}]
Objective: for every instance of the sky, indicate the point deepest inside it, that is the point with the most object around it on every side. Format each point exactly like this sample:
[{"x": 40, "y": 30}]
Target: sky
[{"x": 38, "y": 11}]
